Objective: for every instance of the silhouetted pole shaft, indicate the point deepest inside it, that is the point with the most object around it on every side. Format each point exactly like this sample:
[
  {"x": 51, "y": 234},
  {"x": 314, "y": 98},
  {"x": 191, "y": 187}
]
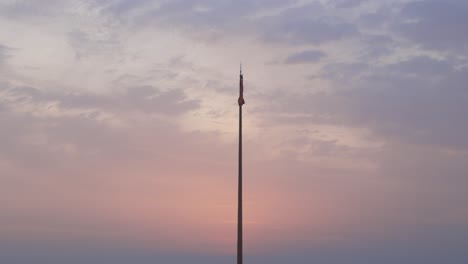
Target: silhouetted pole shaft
[{"x": 239, "y": 195}]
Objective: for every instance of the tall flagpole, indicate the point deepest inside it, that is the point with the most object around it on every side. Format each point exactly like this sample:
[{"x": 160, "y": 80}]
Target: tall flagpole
[{"x": 239, "y": 193}]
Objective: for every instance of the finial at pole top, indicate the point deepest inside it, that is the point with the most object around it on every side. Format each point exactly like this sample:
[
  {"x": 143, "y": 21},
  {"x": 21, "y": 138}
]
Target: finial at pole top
[{"x": 241, "y": 68}]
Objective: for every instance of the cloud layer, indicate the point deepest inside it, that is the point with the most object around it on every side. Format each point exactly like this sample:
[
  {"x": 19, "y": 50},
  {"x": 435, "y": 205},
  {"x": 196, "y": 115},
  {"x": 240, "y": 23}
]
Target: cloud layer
[{"x": 119, "y": 120}]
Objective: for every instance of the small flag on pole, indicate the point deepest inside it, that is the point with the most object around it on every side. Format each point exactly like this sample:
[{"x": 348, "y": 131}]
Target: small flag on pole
[{"x": 241, "y": 100}]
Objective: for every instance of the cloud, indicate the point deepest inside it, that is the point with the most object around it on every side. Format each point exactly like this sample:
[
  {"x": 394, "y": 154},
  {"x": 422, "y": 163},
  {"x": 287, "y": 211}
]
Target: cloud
[
  {"x": 25, "y": 9},
  {"x": 60, "y": 150},
  {"x": 200, "y": 14},
  {"x": 143, "y": 99},
  {"x": 433, "y": 24},
  {"x": 51, "y": 131},
  {"x": 347, "y": 3},
  {"x": 412, "y": 104},
  {"x": 4, "y": 53},
  {"x": 303, "y": 57},
  {"x": 417, "y": 101},
  {"x": 305, "y": 25},
  {"x": 87, "y": 44},
  {"x": 420, "y": 67},
  {"x": 282, "y": 21}
]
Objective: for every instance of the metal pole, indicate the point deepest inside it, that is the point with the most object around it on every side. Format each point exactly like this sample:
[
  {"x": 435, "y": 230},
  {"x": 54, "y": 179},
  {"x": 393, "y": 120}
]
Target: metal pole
[{"x": 239, "y": 195}]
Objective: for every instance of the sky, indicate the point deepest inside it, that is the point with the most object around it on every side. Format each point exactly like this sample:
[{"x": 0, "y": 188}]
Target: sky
[{"x": 118, "y": 131}]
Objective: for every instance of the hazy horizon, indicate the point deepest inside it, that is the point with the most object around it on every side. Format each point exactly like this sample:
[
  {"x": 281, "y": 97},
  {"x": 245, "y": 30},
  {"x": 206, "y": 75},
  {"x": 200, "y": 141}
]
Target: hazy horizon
[{"x": 118, "y": 131}]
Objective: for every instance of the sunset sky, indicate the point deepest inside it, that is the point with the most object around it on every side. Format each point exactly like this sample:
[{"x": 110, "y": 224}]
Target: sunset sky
[{"x": 118, "y": 131}]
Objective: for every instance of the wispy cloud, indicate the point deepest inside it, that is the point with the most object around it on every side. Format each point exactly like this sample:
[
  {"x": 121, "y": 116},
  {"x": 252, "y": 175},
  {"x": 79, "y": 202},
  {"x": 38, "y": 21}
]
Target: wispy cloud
[{"x": 304, "y": 57}]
